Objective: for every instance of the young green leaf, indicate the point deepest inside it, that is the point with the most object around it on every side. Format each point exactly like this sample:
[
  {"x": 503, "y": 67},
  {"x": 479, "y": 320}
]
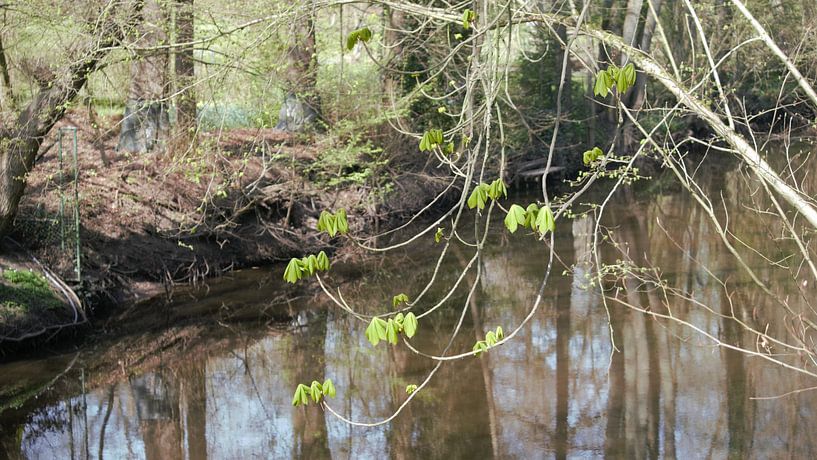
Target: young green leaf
[
  {"x": 411, "y": 388},
  {"x": 326, "y": 223},
  {"x": 328, "y": 388},
  {"x": 502, "y": 189},
  {"x": 439, "y": 235},
  {"x": 490, "y": 338},
  {"x": 410, "y": 325},
  {"x": 515, "y": 217},
  {"x": 293, "y": 271},
  {"x": 592, "y": 155},
  {"x": 473, "y": 199},
  {"x": 612, "y": 72},
  {"x": 360, "y": 35},
  {"x": 621, "y": 82},
  {"x": 300, "y": 397},
  {"x": 468, "y": 17},
  {"x": 398, "y": 299},
  {"x": 316, "y": 391},
  {"x": 323, "y": 261},
  {"x": 629, "y": 72},
  {"x": 381, "y": 328},
  {"x": 376, "y": 331},
  {"x": 425, "y": 145},
  {"x": 340, "y": 219},
  {"x": 497, "y": 189},
  {"x": 431, "y": 139},
  {"x": 391, "y": 332},
  {"x": 530, "y": 215},
  {"x": 478, "y": 197},
  {"x": 436, "y": 136},
  {"x": 544, "y": 221},
  {"x": 398, "y": 318},
  {"x": 480, "y": 347},
  {"x": 601, "y": 88},
  {"x": 310, "y": 264},
  {"x": 499, "y": 333}
]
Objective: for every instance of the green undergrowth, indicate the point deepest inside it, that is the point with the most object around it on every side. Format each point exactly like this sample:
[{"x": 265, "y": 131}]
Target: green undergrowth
[{"x": 24, "y": 291}]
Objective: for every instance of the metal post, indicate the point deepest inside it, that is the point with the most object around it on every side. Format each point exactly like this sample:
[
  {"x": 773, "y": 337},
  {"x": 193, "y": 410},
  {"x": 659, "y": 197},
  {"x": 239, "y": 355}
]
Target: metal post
[
  {"x": 76, "y": 206},
  {"x": 62, "y": 195}
]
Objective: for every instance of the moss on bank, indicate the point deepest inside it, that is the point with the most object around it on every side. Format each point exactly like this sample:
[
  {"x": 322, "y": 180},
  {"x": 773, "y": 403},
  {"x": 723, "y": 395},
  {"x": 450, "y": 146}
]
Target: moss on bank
[
  {"x": 25, "y": 296},
  {"x": 25, "y": 291}
]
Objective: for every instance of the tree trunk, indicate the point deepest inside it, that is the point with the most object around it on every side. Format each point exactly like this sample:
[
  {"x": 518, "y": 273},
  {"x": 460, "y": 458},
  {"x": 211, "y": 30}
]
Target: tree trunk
[
  {"x": 567, "y": 78},
  {"x": 394, "y": 55},
  {"x": 640, "y": 88},
  {"x": 611, "y": 21},
  {"x": 301, "y": 107},
  {"x": 6, "y": 95},
  {"x": 145, "y": 123},
  {"x": 631, "y": 21},
  {"x": 185, "y": 74},
  {"x": 20, "y": 142}
]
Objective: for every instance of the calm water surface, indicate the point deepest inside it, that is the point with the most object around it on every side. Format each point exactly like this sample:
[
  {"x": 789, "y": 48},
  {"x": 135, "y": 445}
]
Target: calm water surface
[{"x": 556, "y": 391}]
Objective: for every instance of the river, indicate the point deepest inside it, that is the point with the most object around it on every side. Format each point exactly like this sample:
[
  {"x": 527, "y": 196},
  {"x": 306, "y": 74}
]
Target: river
[{"x": 557, "y": 390}]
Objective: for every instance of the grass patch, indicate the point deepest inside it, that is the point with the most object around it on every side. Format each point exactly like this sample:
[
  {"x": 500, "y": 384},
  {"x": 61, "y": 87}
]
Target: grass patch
[{"x": 24, "y": 291}]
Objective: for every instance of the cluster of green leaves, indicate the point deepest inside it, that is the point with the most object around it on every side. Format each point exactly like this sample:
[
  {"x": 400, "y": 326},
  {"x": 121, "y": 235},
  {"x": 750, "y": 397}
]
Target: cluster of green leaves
[
  {"x": 533, "y": 217},
  {"x": 380, "y": 329},
  {"x": 316, "y": 391},
  {"x": 411, "y": 388},
  {"x": 364, "y": 34},
  {"x": 591, "y": 156},
  {"x": 468, "y": 16},
  {"x": 622, "y": 78},
  {"x": 398, "y": 299},
  {"x": 431, "y": 139},
  {"x": 306, "y": 266},
  {"x": 491, "y": 338},
  {"x": 333, "y": 224},
  {"x": 484, "y": 191},
  {"x": 438, "y": 236}
]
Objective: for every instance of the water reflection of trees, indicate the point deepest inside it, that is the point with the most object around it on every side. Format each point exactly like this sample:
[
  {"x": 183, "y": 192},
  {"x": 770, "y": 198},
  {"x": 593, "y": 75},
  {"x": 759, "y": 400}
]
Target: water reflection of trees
[{"x": 557, "y": 390}]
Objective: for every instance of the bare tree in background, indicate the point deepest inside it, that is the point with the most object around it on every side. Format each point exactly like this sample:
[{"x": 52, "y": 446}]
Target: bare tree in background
[
  {"x": 302, "y": 106},
  {"x": 20, "y": 141},
  {"x": 185, "y": 73},
  {"x": 145, "y": 123}
]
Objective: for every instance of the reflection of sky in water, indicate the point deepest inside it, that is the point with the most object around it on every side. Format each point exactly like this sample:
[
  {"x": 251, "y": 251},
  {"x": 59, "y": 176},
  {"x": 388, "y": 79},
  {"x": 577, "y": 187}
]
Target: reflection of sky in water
[
  {"x": 669, "y": 393},
  {"x": 355, "y": 368},
  {"x": 245, "y": 413}
]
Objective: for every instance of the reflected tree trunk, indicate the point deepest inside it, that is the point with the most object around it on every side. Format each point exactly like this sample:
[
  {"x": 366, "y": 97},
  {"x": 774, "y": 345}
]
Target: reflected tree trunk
[
  {"x": 738, "y": 405},
  {"x": 158, "y": 411},
  {"x": 487, "y": 378},
  {"x": 309, "y": 421},
  {"x": 563, "y": 332},
  {"x": 194, "y": 391},
  {"x": 614, "y": 442},
  {"x": 105, "y": 419}
]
